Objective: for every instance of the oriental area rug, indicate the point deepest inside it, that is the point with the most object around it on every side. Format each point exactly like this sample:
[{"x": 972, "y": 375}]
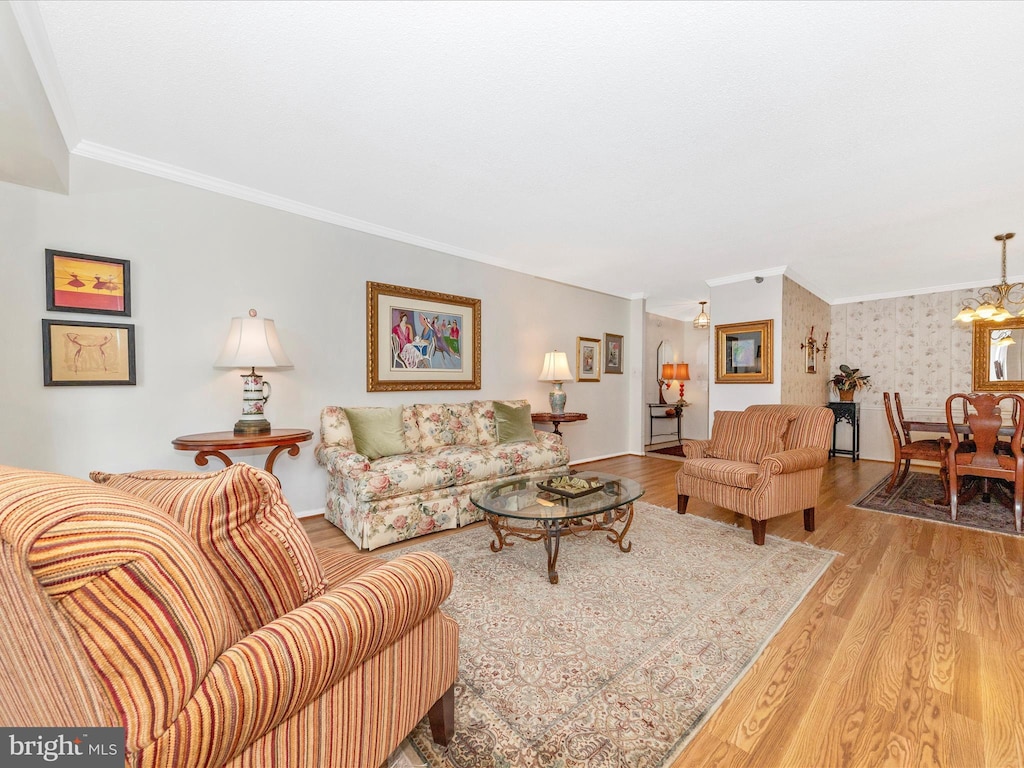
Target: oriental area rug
[
  {"x": 921, "y": 497},
  {"x": 625, "y": 658}
]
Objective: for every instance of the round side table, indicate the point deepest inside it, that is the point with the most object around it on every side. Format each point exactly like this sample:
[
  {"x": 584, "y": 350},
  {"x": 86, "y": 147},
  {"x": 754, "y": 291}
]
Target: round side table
[{"x": 557, "y": 418}]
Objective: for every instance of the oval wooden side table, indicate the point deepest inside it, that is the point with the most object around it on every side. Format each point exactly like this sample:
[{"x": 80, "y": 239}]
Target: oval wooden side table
[{"x": 209, "y": 444}]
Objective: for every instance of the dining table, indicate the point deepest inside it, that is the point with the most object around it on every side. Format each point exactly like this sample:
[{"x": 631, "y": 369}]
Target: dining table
[{"x": 943, "y": 428}]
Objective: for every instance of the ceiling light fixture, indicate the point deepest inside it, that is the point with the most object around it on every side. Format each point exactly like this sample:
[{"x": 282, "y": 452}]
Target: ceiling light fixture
[
  {"x": 991, "y": 302},
  {"x": 703, "y": 320}
]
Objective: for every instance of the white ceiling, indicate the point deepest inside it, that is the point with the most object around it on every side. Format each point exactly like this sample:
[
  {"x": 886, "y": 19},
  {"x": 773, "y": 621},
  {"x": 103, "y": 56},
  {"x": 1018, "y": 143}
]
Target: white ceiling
[{"x": 632, "y": 148}]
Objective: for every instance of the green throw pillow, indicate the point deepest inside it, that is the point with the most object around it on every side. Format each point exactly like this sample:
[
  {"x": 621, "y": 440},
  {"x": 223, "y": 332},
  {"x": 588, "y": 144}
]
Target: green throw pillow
[
  {"x": 377, "y": 431},
  {"x": 513, "y": 422}
]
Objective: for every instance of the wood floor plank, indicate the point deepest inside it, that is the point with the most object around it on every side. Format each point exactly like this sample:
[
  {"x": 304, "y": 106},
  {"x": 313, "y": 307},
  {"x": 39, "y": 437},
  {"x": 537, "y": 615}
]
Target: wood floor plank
[{"x": 908, "y": 652}]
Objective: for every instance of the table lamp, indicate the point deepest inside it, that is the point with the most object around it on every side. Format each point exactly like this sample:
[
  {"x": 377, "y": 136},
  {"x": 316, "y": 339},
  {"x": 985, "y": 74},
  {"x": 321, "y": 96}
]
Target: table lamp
[
  {"x": 252, "y": 341},
  {"x": 556, "y": 370},
  {"x": 672, "y": 372},
  {"x": 680, "y": 373}
]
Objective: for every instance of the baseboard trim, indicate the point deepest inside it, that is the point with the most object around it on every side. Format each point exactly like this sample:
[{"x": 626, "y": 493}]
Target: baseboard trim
[{"x": 606, "y": 456}]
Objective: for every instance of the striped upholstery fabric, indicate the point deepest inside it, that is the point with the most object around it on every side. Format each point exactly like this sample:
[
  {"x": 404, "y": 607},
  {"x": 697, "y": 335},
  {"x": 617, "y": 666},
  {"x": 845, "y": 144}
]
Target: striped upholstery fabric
[
  {"x": 803, "y": 431},
  {"x": 340, "y": 567},
  {"x": 748, "y": 435},
  {"x": 109, "y": 564},
  {"x": 274, "y": 673},
  {"x": 787, "y": 480},
  {"x": 740, "y": 474},
  {"x": 112, "y": 616},
  {"x": 246, "y": 530}
]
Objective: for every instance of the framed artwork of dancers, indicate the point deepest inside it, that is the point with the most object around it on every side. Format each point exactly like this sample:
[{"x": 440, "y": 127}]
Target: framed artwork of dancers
[
  {"x": 419, "y": 339},
  {"x": 98, "y": 285},
  {"x": 76, "y": 353}
]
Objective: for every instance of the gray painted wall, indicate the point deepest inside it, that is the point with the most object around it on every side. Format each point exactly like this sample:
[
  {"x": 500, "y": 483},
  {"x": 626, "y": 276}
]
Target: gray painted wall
[{"x": 199, "y": 258}]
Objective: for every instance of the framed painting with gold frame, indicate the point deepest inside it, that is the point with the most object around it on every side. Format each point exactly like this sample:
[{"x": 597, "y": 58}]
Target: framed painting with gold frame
[
  {"x": 419, "y": 339},
  {"x": 999, "y": 355},
  {"x": 743, "y": 353},
  {"x": 82, "y": 354}
]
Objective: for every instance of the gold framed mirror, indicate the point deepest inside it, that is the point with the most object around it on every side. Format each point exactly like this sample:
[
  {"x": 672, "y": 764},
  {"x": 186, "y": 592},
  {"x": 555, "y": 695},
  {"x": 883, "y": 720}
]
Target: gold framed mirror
[{"x": 999, "y": 356}]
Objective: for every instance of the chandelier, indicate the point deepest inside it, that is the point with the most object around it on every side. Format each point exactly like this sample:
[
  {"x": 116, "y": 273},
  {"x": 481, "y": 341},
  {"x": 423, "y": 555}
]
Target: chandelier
[
  {"x": 990, "y": 303},
  {"x": 703, "y": 320}
]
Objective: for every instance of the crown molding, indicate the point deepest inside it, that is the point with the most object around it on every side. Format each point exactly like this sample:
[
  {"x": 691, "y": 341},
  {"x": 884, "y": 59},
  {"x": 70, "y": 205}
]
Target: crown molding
[
  {"x": 767, "y": 272},
  {"x": 919, "y": 291},
  {"x": 230, "y": 189},
  {"x": 809, "y": 285}
]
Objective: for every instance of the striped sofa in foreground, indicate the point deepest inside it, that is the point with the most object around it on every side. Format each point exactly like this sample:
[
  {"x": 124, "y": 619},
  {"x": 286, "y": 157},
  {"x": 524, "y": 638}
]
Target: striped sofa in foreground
[
  {"x": 763, "y": 462},
  {"x": 191, "y": 610}
]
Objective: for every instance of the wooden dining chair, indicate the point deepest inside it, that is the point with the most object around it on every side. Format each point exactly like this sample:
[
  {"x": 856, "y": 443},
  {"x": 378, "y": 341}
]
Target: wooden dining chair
[
  {"x": 905, "y": 449},
  {"x": 985, "y": 417}
]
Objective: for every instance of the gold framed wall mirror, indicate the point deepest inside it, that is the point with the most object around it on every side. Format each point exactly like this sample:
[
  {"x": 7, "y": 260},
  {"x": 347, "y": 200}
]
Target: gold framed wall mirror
[{"x": 999, "y": 356}]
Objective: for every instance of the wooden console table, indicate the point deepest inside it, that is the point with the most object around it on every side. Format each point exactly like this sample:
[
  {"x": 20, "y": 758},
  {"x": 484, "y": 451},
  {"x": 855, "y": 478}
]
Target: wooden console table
[
  {"x": 215, "y": 443},
  {"x": 557, "y": 418}
]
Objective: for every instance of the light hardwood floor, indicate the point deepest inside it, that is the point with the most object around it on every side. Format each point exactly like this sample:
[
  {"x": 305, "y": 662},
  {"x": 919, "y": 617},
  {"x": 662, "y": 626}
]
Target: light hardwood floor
[{"x": 908, "y": 652}]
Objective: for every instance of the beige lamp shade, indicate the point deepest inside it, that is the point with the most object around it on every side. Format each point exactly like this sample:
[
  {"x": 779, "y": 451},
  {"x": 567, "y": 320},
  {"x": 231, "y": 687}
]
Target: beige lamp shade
[
  {"x": 252, "y": 343},
  {"x": 556, "y": 367}
]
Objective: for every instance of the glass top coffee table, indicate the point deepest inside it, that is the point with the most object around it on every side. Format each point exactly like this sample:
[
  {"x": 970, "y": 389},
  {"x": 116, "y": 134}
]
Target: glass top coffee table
[{"x": 543, "y": 508}]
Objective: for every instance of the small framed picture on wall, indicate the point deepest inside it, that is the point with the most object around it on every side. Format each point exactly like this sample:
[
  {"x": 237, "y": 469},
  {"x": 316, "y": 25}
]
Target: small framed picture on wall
[
  {"x": 77, "y": 353},
  {"x": 96, "y": 285},
  {"x": 588, "y": 359},
  {"x": 613, "y": 353}
]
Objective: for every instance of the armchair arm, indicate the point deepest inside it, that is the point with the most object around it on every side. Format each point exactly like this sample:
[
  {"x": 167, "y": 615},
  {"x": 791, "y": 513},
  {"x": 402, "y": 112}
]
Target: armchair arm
[
  {"x": 793, "y": 460},
  {"x": 341, "y": 460},
  {"x": 696, "y": 449},
  {"x": 550, "y": 439},
  {"x": 270, "y": 675}
]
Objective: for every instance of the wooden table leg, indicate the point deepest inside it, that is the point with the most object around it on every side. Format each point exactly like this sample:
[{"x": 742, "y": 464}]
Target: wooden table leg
[
  {"x": 203, "y": 458},
  {"x": 293, "y": 450}
]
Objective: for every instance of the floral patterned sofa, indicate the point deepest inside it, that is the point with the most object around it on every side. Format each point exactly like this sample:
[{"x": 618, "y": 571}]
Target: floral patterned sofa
[{"x": 452, "y": 451}]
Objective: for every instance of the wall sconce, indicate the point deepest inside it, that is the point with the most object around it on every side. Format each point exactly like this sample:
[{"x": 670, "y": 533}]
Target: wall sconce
[{"x": 811, "y": 350}]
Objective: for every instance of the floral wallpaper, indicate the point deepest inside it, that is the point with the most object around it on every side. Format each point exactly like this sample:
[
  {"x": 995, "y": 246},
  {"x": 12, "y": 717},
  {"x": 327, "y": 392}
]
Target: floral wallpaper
[
  {"x": 908, "y": 344},
  {"x": 802, "y": 310}
]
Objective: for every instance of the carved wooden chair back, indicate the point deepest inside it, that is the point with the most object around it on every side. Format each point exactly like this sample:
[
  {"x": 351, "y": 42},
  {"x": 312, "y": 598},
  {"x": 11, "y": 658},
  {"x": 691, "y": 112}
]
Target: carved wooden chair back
[{"x": 985, "y": 418}]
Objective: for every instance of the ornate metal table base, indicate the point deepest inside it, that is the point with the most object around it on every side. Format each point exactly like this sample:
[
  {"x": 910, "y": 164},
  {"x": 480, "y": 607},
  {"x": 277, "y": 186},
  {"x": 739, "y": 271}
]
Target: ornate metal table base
[{"x": 551, "y": 532}]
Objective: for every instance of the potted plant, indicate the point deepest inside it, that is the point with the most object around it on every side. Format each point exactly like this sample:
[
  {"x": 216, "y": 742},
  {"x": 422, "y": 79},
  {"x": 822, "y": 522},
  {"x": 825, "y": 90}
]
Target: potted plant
[{"x": 848, "y": 381}]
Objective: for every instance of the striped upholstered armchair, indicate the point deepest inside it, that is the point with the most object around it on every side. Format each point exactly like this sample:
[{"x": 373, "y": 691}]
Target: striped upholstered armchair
[
  {"x": 192, "y": 610},
  {"x": 763, "y": 462}
]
